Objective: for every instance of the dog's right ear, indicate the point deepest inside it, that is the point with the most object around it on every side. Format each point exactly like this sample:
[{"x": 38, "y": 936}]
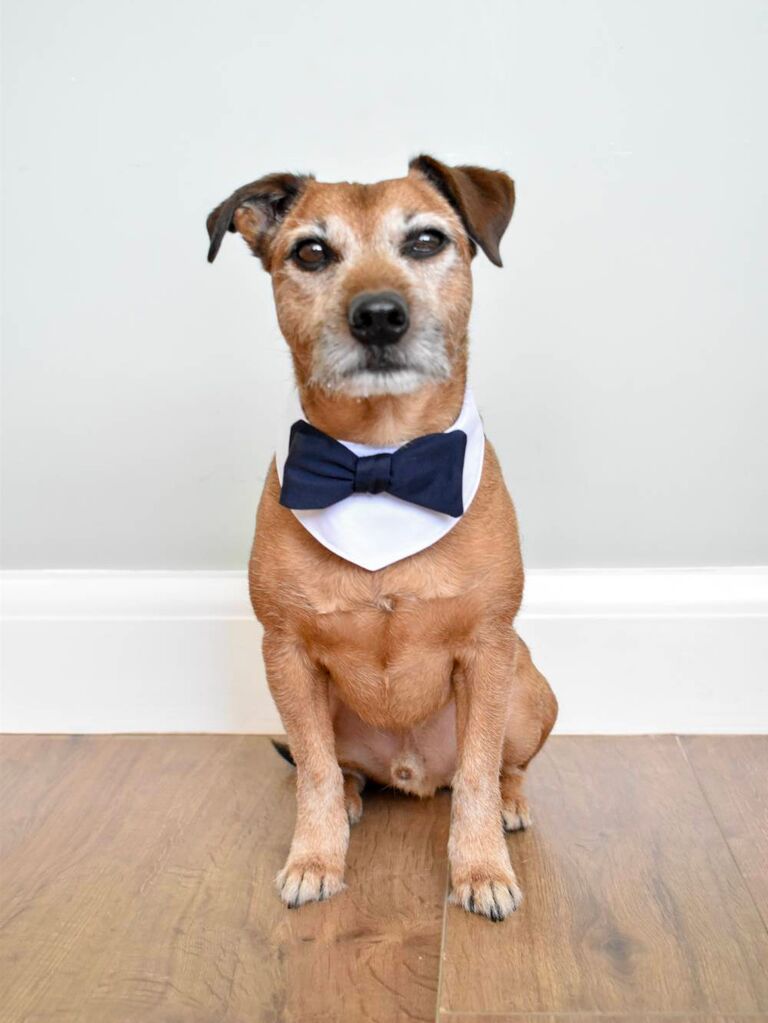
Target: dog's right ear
[
  {"x": 256, "y": 211},
  {"x": 484, "y": 199}
]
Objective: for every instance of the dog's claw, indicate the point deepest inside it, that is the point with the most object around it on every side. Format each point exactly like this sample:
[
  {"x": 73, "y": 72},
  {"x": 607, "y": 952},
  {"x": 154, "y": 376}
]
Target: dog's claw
[
  {"x": 516, "y": 896},
  {"x": 496, "y": 913}
]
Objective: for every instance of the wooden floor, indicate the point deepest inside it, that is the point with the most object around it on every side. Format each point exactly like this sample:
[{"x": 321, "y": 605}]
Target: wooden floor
[{"x": 136, "y": 877}]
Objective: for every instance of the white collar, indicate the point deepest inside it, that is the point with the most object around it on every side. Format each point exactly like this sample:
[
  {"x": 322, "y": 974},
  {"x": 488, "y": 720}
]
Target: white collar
[{"x": 375, "y": 530}]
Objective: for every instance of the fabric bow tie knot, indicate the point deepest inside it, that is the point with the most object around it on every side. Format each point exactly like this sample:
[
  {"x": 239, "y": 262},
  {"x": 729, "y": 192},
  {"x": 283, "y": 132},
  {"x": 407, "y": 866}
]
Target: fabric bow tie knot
[
  {"x": 320, "y": 471},
  {"x": 373, "y": 473}
]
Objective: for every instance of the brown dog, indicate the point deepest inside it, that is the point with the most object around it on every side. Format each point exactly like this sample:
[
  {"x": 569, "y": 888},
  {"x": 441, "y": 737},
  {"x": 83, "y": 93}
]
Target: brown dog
[{"x": 411, "y": 675}]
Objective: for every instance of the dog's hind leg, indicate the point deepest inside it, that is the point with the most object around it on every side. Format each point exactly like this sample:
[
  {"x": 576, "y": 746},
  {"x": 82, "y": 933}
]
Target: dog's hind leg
[
  {"x": 515, "y": 812},
  {"x": 354, "y": 783},
  {"x": 532, "y": 713}
]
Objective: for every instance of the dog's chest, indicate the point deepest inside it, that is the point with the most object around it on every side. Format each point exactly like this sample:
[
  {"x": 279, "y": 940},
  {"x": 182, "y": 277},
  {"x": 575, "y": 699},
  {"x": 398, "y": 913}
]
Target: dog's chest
[{"x": 390, "y": 651}]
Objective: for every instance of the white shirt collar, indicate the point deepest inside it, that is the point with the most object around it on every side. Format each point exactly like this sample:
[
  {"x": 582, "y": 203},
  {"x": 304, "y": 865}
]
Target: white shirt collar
[{"x": 376, "y": 530}]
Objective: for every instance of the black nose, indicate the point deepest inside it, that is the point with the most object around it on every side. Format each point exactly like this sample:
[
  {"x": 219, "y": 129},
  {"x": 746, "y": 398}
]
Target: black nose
[{"x": 379, "y": 318}]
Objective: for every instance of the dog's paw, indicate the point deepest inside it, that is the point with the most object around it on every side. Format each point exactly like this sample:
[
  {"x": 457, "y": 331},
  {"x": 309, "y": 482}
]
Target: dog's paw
[
  {"x": 308, "y": 880},
  {"x": 354, "y": 804},
  {"x": 490, "y": 893},
  {"x": 516, "y": 815}
]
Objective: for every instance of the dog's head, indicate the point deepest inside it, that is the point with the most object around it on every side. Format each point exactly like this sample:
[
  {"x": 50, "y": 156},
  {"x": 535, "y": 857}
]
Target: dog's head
[{"x": 372, "y": 283}]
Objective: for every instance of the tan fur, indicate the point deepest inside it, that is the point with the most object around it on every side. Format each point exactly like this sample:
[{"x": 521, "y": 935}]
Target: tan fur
[{"x": 412, "y": 675}]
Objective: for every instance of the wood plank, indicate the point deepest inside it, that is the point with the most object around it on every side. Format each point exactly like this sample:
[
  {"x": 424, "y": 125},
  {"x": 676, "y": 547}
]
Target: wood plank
[
  {"x": 633, "y": 902},
  {"x": 69, "y": 886},
  {"x": 30, "y": 780},
  {"x": 143, "y": 891},
  {"x": 374, "y": 953},
  {"x": 733, "y": 772}
]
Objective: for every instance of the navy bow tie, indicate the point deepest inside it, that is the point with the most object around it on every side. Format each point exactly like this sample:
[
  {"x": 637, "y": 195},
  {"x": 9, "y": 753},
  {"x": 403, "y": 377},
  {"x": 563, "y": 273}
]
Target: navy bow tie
[{"x": 320, "y": 471}]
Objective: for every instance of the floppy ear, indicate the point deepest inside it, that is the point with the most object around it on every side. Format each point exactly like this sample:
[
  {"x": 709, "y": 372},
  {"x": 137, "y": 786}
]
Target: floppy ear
[
  {"x": 255, "y": 211},
  {"x": 484, "y": 199}
]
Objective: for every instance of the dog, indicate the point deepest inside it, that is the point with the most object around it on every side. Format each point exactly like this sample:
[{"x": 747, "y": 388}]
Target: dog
[{"x": 411, "y": 674}]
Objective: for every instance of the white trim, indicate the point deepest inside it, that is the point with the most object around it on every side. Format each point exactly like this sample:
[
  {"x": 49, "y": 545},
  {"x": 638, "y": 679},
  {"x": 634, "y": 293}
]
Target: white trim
[{"x": 629, "y": 650}]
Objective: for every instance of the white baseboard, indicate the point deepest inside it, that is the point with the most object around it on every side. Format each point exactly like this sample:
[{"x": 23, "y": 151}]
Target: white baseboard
[{"x": 647, "y": 650}]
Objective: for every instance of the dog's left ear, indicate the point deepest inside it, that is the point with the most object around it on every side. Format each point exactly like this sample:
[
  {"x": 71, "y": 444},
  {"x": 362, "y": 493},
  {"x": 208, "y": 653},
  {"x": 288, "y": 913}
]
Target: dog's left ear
[
  {"x": 255, "y": 210},
  {"x": 484, "y": 199}
]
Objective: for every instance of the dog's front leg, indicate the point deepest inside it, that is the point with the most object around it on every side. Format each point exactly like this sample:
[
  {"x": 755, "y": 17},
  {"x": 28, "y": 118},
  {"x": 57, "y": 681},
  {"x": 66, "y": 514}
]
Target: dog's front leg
[
  {"x": 482, "y": 879},
  {"x": 314, "y": 869}
]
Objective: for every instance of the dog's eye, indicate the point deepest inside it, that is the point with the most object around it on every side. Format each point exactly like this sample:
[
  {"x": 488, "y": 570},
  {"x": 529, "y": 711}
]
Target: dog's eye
[
  {"x": 311, "y": 254},
  {"x": 423, "y": 244}
]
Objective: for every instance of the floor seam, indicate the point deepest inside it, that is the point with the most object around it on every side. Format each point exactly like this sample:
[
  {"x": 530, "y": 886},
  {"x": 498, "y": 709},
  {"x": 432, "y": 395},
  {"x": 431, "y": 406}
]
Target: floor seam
[
  {"x": 587, "y": 1014},
  {"x": 443, "y": 932}
]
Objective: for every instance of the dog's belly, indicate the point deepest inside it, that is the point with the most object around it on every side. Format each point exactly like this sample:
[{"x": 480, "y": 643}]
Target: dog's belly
[{"x": 419, "y": 760}]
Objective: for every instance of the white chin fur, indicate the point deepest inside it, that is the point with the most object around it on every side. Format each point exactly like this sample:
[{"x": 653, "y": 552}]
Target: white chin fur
[{"x": 367, "y": 383}]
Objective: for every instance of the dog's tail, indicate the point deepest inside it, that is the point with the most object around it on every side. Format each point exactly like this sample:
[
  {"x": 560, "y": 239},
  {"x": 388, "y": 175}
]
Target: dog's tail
[{"x": 284, "y": 750}]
